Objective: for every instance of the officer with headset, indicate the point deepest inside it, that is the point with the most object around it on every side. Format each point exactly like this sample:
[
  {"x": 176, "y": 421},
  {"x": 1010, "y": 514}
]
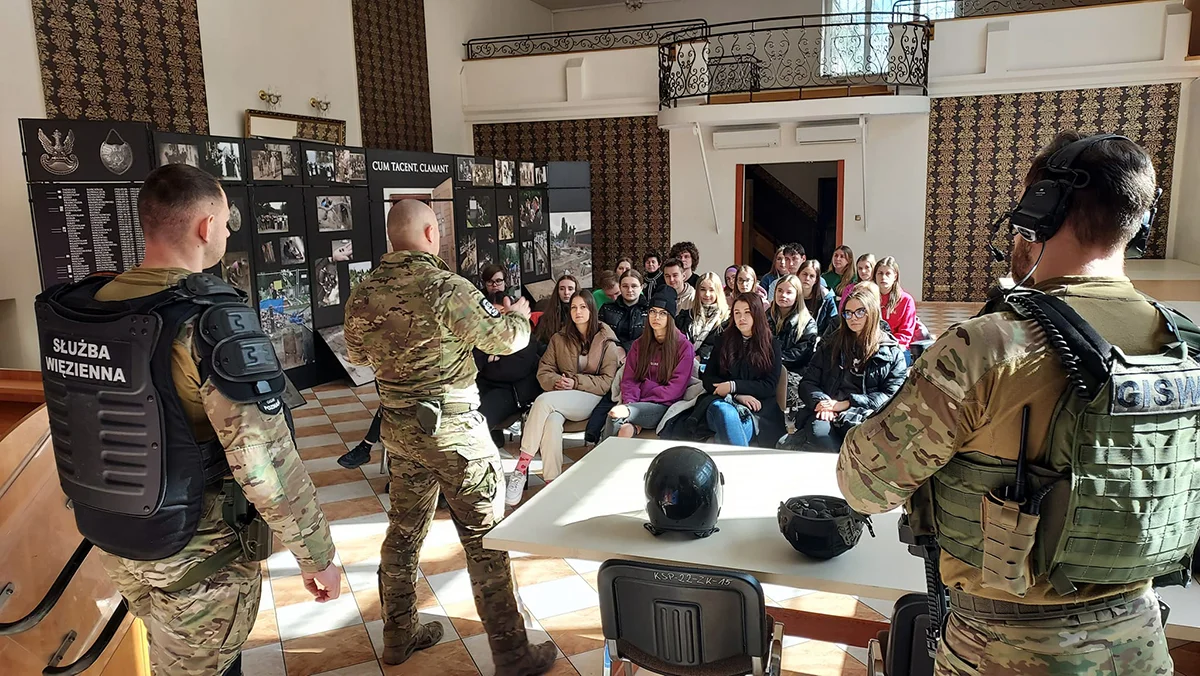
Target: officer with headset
[
  {"x": 1045, "y": 451},
  {"x": 171, "y": 437}
]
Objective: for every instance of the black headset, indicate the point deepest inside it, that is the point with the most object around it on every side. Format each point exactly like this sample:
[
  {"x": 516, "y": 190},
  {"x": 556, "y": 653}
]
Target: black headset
[{"x": 1043, "y": 206}]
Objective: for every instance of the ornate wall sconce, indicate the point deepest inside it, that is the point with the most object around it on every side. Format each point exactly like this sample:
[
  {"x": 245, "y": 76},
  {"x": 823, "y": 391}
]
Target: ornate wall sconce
[
  {"x": 319, "y": 104},
  {"x": 270, "y": 97}
]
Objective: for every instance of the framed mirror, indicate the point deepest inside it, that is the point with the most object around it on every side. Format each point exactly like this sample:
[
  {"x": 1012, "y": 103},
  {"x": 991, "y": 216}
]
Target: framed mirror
[{"x": 265, "y": 123}]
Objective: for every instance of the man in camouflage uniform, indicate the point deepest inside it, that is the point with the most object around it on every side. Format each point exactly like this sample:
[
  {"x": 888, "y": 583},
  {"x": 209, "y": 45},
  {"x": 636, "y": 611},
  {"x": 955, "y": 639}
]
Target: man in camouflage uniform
[
  {"x": 967, "y": 392},
  {"x": 415, "y": 323},
  {"x": 199, "y": 631}
]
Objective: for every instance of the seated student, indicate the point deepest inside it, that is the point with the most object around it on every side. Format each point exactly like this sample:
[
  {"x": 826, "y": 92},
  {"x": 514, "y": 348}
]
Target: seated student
[
  {"x": 555, "y": 309},
  {"x": 651, "y": 272},
  {"x": 743, "y": 372},
  {"x": 855, "y": 372},
  {"x": 898, "y": 307},
  {"x": 817, "y": 298},
  {"x": 657, "y": 371},
  {"x": 507, "y": 384},
  {"x": 708, "y": 316},
  {"x": 624, "y": 264},
  {"x": 778, "y": 266},
  {"x": 747, "y": 282},
  {"x": 495, "y": 285},
  {"x": 793, "y": 325},
  {"x": 864, "y": 268},
  {"x": 576, "y": 371},
  {"x": 689, "y": 257},
  {"x": 685, "y": 293},
  {"x": 607, "y": 288},
  {"x": 730, "y": 283},
  {"x": 841, "y": 270},
  {"x": 626, "y": 315}
]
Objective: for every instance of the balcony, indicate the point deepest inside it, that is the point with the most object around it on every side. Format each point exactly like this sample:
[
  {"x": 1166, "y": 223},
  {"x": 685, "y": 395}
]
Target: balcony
[
  {"x": 563, "y": 42},
  {"x": 797, "y": 57}
]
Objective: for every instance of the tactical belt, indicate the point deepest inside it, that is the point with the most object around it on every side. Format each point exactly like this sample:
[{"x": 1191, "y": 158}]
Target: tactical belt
[
  {"x": 988, "y": 610},
  {"x": 206, "y": 568},
  {"x": 457, "y": 409}
]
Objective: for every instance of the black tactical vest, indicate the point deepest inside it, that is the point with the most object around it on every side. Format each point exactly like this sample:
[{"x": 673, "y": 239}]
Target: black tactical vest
[{"x": 126, "y": 453}]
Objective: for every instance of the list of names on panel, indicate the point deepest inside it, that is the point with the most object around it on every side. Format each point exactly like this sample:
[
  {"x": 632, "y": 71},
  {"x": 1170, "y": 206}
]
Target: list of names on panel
[{"x": 83, "y": 229}]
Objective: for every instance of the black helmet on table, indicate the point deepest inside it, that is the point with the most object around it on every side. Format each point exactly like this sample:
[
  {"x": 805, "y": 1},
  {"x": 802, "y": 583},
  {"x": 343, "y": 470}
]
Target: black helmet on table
[
  {"x": 683, "y": 492},
  {"x": 821, "y": 526}
]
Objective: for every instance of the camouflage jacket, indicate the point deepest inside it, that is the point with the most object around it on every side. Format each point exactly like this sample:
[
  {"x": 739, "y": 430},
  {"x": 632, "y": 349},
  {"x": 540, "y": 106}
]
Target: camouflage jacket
[
  {"x": 259, "y": 448},
  {"x": 966, "y": 393},
  {"x": 416, "y": 323}
]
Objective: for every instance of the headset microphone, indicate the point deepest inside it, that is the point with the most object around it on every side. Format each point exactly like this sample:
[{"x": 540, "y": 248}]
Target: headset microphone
[{"x": 997, "y": 254}]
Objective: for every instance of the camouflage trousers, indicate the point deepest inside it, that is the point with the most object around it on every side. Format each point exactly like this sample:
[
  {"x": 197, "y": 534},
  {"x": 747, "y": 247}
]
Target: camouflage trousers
[
  {"x": 461, "y": 462},
  {"x": 195, "y": 632},
  {"x": 1116, "y": 642}
]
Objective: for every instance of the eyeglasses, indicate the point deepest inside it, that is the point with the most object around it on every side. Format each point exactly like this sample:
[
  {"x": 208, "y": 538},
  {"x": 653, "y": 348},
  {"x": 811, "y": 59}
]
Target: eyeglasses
[
  {"x": 855, "y": 314},
  {"x": 659, "y": 312},
  {"x": 495, "y": 282}
]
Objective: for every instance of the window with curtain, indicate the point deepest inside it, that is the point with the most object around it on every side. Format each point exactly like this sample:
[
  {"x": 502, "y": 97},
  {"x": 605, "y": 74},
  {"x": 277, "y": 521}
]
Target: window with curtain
[{"x": 856, "y": 38}]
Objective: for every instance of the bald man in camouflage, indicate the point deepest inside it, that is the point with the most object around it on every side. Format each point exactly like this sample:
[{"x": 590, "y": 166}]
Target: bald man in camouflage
[{"x": 415, "y": 323}]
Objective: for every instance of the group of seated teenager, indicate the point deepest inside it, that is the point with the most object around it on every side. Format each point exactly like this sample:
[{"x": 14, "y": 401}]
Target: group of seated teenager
[{"x": 792, "y": 360}]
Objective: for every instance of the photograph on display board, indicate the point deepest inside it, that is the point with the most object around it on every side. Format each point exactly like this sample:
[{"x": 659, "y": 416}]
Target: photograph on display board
[
  {"x": 235, "y": 269},
  {"x": 539, "y": 175},
  {"x": 328, "y": 290},
  {"x": 115, "y": 153},
  {"x": 291, "y": 251},
  {"x": 289, "y": 161},
  {"x": 526, "y": 174},
  {"x": 531, "y": 203},
  {"x": 527, "y": 257},
  {"x": 268, "y": 252},
  {"x": 179, "y": 153},
  {"x": 541, "y": 253},
  {"x": 486, "y": 251},
  {"x": 358, "y": 272},
  {"x": 480, "y": 211},
  {"x": 484, "y": 174},
  {"x": 320, "y": 164},
  {"x": 342, "y": 250},
  {"x": 86, "y": 150},
  {"x": 466, "y": 169},
  {"x": 506, "y": 173},
  {"x": 285, "y": 312},
  {"x": 272, "y": 217},
  {"x": 571, "y": 245},
  {"x": 350, "y": 166},
  {"x": 466, "y": 258},
  {"x": 335, "y": 338},
  {"x": 266, "y": 165},
  {"x": 506, "y": 228},
  {"x": 334, "y": 213},
  {"x": 510, "y": 260},
  {"x": 223, "y": 159}
]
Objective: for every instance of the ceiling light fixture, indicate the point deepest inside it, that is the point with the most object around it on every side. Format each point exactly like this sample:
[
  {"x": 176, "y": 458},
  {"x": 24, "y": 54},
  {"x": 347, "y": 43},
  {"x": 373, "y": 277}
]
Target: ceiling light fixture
[{"x": 633, "y": 5}]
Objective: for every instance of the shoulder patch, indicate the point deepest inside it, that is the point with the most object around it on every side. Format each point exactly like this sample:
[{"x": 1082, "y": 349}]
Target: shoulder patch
[
  {"x": 272, "y": 406},
  {"x": 489, "y": 308}
]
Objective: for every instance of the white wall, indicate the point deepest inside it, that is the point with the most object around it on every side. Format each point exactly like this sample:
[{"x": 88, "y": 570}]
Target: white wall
[
  {"x": 890, "y": 222},
  {"x": 713, "y": 11},
  {"x": 801, "y": 177},
  {"x": 1185, "y": 215},
  {"x": 19, "y": 281},
  {"x": 301, "y": 48},
  {"x": 450, "y": 23}
]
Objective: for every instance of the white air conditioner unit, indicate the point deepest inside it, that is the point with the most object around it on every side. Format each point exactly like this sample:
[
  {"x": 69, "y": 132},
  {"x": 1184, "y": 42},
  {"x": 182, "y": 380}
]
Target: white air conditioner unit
[
  {"x": 828, "y": 131},
  {"x": 747, "y": 137}
]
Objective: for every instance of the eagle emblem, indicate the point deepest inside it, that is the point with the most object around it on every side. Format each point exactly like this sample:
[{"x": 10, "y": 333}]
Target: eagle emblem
[{"x": 59, "y": 158}]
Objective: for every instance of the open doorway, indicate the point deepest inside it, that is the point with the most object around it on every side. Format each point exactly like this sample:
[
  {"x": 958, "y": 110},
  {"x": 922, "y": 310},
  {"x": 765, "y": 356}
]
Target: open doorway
[{"x": 789, "y": 202}]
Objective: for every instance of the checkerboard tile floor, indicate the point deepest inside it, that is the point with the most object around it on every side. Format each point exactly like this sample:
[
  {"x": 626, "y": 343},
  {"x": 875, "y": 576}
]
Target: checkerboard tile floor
[{"x": 294, "y": 636}]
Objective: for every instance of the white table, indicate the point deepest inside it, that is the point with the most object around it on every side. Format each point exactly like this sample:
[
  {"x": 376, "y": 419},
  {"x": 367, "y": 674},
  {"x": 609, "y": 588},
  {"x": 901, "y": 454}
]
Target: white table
[{"x": 596, "y": 509}]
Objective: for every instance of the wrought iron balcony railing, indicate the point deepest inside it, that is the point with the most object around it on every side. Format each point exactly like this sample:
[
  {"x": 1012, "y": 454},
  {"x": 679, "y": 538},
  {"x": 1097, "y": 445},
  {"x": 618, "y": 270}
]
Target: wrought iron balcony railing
[
  {"x": 617, "y": 37},
  {"x": 795, "y": 53},
  {"x": 955, "y": 9}
]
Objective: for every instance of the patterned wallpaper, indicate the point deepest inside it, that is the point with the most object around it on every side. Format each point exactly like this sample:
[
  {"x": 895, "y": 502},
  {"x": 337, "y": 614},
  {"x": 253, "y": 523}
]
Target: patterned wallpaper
[
  {"x": 631, "y": 190},
  {"x": 127, "y": 60},
  {"x": 393, "y": 74},
  {"x": 980, "y": 148}
]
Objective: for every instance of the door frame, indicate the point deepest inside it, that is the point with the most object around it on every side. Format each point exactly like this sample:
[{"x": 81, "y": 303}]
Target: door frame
[{"x": 741, "y": 233}]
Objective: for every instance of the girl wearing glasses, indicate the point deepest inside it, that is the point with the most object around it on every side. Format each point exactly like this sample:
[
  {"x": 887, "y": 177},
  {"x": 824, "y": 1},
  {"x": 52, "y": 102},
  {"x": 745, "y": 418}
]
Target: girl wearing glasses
[
  {"x": 507, "y": 383},
  {"x": 747, "y": 282},
  {"x": 744, "y": 373},
  {"x": 899, "y": 309},
  {"x": 854, "y": 372},
  {"x": 818, "y": 299},
  {"x": 657, "y": 371},
  {"x": 626, "y": 315}
]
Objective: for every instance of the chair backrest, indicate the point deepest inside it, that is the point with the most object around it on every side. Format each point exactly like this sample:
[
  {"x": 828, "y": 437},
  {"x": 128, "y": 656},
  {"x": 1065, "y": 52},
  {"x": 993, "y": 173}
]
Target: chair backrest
[
  {"x": 675, "y": 620},
  {"x": 781, "y": 389}
]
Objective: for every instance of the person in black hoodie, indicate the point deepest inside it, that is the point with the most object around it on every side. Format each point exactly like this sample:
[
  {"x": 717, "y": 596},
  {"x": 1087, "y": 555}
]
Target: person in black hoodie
[
  {"x": 626, "y": 315},
  {"x": 743, "y": 373},
  {"x": 853, "y": 374},
  {"x": 507, "y": 384},
  {"x": 793, "y": 325}
]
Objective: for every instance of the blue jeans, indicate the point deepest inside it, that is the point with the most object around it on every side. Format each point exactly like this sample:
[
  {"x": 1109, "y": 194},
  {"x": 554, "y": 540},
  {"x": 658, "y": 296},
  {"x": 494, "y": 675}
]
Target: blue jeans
[
  {"x": 908, "y": 358},
  {"x": 728, "y": 427}
]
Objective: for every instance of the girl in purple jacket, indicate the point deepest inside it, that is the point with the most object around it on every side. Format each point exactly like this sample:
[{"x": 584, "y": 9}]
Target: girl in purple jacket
[{"x": 657, "y": 370}]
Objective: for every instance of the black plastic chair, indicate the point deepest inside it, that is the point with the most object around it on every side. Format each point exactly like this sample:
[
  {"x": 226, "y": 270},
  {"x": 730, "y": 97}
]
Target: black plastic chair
[{"x": 686, "y": 622}]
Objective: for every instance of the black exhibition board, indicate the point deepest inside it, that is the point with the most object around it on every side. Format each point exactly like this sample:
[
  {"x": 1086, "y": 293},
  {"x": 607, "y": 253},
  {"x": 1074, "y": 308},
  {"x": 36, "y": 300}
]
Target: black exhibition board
[
  {"x": 236, "y": 265},
  {"x": 464, "y": 172},
  {"x": 81, "y": 229},
  {"x": 221, "y": 156},
  {"x": 273, "y": 161},
  {"x": 395, "y": 175},
  {"x": 484, "y": 174},
  {"x": 569, "y": 175},
  {"x": 338, "y": 236},
  {"x": 533, "y": 224},
  {"x": 85, "y": 151},
  {"x": 475, "y": 231}
]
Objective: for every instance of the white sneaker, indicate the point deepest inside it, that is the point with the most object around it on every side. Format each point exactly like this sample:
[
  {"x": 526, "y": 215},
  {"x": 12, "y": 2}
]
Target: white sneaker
[{"x": 516, "y": 488}]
